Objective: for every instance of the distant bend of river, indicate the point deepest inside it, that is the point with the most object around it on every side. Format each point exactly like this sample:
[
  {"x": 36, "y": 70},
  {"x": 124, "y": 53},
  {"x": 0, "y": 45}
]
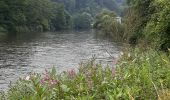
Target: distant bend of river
[{"x": 34, "y": 52}]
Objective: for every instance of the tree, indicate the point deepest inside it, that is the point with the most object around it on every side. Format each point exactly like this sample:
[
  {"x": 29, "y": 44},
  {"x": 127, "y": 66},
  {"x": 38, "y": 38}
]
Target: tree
[
  {"x": 61, "y": 18},
  {"x": 108, "y": 23},
  {"x": 149, "y": 20},
  {"x": 32, "y": 15},
  {"x": 137, "y": 16},
  {"x": 157, "y": 30},
  {"x": 82, "y": 21}
]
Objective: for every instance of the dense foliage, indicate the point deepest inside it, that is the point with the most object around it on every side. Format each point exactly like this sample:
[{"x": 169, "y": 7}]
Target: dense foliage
[
  {"x": 157, "y": 30},
  {"x": 149, "y": 20},
  {"x": 45, "y": 15},
  {"x": 82, "y": 21},
  {"x": 92, "y": 6},
  {"x": 136, "y": 76},
  {"x": 81, "y": 10},
  {"x": 110, "y": 24},
  {"x": 31, "y": 15}
]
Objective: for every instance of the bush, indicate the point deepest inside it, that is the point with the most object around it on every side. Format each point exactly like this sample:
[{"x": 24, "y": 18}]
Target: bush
[
  {"x": 148, "y": 20},
  {"x": 107, "y": 22},
  {"x": 82, "y": 21},
  {"x": 2, "y": 29},
  {"x": 157, "y": 30}
]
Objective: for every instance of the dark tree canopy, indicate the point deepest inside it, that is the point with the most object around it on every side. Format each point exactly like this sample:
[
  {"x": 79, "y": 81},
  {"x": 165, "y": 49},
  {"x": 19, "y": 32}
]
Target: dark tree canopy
[{"x": 45, "y": 15}]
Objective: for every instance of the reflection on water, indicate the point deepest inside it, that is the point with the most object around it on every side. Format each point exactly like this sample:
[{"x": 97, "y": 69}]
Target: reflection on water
[{"x": 23, "y": 53}]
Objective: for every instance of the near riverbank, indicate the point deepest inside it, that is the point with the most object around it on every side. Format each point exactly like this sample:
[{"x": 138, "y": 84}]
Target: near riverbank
[{"x": 136, "y": 75}]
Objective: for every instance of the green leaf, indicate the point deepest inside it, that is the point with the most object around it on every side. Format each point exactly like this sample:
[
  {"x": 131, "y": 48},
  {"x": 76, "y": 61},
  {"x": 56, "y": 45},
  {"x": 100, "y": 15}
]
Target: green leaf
[
  {"x": 64, "y": 88},
  {"x": 53, "y": 73}
]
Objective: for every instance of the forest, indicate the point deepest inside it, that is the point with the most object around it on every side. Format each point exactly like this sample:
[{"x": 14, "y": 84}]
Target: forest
[
  {"x": 146, "y": 20},
  {"x": 51, "y": 15},
  {"x": 141, "y": 71}
]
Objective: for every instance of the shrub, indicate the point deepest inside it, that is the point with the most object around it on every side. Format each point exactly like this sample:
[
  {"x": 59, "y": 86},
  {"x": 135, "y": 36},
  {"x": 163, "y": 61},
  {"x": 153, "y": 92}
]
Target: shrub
[
  {"x": 82, "y": 21},
  {"x": 157, "y": 30},
  {"x": 2, "y": 29},
  {"x": 107, "y": 22}
]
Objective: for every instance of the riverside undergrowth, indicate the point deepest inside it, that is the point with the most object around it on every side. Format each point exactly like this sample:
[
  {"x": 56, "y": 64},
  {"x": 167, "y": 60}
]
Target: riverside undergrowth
[{"x": 136, "y": 75}]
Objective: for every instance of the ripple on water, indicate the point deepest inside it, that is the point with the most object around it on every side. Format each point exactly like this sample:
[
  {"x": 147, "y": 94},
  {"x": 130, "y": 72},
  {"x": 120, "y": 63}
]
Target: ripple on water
[{"x": 63, "y": 50}]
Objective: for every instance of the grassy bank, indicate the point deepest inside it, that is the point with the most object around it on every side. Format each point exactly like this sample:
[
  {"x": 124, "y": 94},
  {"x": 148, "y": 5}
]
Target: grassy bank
[{"x": 136, "y": 76}]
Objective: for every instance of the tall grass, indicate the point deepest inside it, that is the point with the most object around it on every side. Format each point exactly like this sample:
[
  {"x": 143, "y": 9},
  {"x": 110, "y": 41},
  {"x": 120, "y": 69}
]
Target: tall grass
[{"x": 136, "y": 76}]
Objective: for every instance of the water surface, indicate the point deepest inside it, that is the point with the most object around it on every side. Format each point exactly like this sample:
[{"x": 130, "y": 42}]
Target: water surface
[{"x": 24, "y": 53}]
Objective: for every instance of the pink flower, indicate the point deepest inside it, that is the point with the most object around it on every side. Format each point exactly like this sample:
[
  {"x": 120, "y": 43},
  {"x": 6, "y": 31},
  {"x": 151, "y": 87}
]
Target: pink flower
[
  {"x": 46, "y": 75},
  {"x": 42, "y": 81},
  {"x": 46, "y": 79},
  {"x": 71, "y": 73},
  {"x": 52, "y": 82}
]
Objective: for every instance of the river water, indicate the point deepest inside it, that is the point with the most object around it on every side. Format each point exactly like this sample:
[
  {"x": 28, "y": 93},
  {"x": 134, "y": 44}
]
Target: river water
[{"x": 24, "y": 53}]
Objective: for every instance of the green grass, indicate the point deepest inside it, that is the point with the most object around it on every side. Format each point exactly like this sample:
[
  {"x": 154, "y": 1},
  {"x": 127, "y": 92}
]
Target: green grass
[{"x": 137, "y": 76}]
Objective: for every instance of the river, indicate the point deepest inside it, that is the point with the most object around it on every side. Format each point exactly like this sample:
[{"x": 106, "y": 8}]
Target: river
[{"x": 22, "y": 54}]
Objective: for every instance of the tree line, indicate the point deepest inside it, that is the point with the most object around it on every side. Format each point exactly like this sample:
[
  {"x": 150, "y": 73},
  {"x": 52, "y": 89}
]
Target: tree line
[
  {"x": 51, "y": 15},
  {"x": 149, "y": 21},
  {"x": 32, "y": 15},
  {"x": 144, "y": 21}
]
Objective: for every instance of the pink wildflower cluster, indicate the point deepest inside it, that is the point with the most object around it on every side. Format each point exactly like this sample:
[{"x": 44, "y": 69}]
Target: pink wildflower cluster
[
  {"x": 46, "y": 79},
  {"x": 71, "y": 73}
]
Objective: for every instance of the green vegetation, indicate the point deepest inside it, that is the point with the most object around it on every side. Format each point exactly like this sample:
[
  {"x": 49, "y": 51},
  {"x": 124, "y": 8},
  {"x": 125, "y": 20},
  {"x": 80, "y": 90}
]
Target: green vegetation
[
  {"x": 83, "y": 21},
  {"x": 145, "y": 21},
  {"x": 149, "y": 20},
  {"x": 51, "y": 15},
  {"x": 107, "y": 22},
  {"x": 61, "y": 20},
  {"x": 32, "y": 15},
  {"x": 92, "y": 6},
  {"x": 136, "y": 75}
]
